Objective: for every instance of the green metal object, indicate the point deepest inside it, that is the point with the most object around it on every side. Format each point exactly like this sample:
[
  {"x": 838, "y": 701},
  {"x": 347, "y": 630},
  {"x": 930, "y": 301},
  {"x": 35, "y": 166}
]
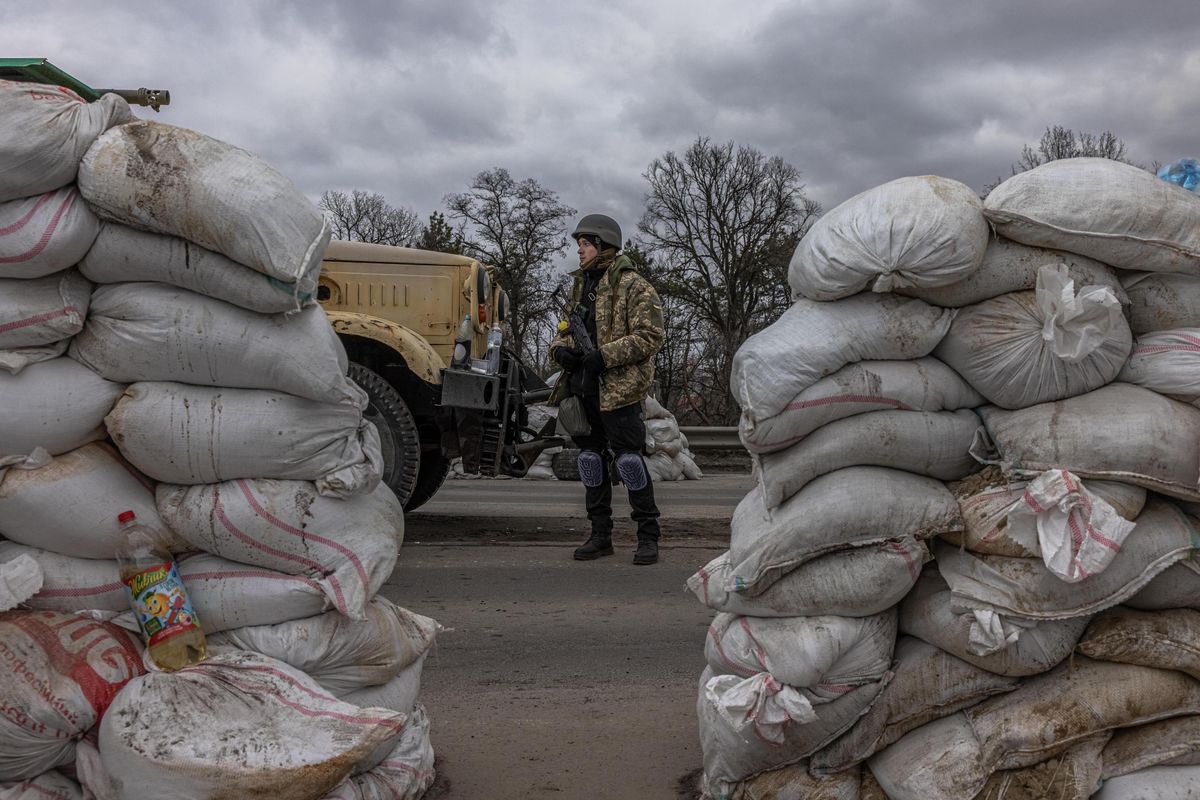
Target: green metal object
[{"x": 40, "y": 70}]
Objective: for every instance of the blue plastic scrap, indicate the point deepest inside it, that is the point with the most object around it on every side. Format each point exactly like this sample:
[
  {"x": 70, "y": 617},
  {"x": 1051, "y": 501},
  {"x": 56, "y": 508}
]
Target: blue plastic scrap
[{"x": 1185, "y": 172}]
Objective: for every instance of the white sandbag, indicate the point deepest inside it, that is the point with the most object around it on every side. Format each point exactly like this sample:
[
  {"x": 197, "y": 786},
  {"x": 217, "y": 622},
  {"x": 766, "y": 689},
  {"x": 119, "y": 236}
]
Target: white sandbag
[
  {"x": 924, "y": 384},
  {"x": 691, "y": 470},
  {"x": 45, "y": 234},
  {"x": 339, "y": 653},
  {"x": 174, "y": 181},
  {"x": 52, "y": 785},
  {"x": 1167, "y": 362},
  {"x": 857, "y": 582},
  {"x": 1154, "y": 783},
  {"x": 933, "y": 443},
  {"x": 398, "y": 694},
  {"x": 793, "y": 783},
  {"x": 663, "y": 468},
  {"x": 174, "y": 730},
  {"x": 848, "y": 508},
  {"x": 652, "y": 409},
  {"x": 1119, "y": 432},
  {"x": 927, "y": 684},
  {"x": 405, "y": 774},
  {"x": 1162, "y": 301},
  {"x": 825, "y": 657},
  {"x": 16, "y": 359},
  {"x": 155, "y": 332},
  {"x": 125, "y": 255},
  {"x": 1115, "y": 213},
  {"x": 918, "y": 231},
  {"x": 927, "y": 614},
  {"x": 192, "y": 434},
  {"x": 938, "y": 761},
  {"x": 1009, "y": 266},
  {"x": 42, "y": 311},
  {"x": 1161, "y": 639},
  {"x": 60, "y": 674},
  {"x": 227, "y": 595},
  {"x": 732, "y": 741},
  {"x": 988, "y": 497},
  {"x": 68, "y": 584},
  {"x": 812, "y": 340},
  {"x": 20, "y": 578},
  {"x": 58, "y": 405},
  {"x": 347, "y": 546},
  {"x": 69, "y": 504},
  {"x": 44, "y": 132},
  {"x": 1178, "y": 586},
  {"x": 1026, "y": 348},
  {"x": 1166, "y": 741}
]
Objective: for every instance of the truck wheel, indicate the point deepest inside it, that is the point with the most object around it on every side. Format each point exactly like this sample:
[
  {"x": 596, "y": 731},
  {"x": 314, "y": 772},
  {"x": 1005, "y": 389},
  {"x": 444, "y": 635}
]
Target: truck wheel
[
  {"x": 434, "y": 469},
  {"x": 398, "y": 435},
  {"x": 565, "y": 464}
]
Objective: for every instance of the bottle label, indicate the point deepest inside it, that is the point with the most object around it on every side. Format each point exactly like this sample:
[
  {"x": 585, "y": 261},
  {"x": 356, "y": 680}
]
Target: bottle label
[{"x": 161, "y": 603}]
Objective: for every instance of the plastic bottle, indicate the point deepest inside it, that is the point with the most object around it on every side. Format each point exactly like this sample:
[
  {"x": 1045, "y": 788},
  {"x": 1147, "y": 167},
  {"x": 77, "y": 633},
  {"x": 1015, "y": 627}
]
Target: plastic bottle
[
  {"x": 495, "y": 341},
  {"x": 462, "y": 345},
  {"x": 158, "y": 597}
]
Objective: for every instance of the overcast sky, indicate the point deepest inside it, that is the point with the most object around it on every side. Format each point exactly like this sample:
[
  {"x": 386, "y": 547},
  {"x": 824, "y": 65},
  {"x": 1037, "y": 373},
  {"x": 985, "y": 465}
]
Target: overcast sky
[{"x": 411, "y": 99}]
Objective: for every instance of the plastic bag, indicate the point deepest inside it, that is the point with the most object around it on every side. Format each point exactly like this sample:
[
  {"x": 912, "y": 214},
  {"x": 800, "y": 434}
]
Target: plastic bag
[{"x": 1185, "y": 172}]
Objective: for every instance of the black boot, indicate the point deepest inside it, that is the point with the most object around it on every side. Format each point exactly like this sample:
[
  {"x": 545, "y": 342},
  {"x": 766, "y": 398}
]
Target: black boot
[
  {"x": 647, "y": 550},
  {"x": 598, "y": 544}
]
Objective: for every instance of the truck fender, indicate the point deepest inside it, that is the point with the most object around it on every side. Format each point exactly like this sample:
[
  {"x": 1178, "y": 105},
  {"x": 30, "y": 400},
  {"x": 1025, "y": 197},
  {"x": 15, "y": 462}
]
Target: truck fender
[{"x": 417, "y": 353}]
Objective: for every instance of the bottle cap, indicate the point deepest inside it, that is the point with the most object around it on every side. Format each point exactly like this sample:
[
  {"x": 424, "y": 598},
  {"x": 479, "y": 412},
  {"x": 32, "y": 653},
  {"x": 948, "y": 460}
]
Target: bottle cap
[{"x": 125, "y": 516}]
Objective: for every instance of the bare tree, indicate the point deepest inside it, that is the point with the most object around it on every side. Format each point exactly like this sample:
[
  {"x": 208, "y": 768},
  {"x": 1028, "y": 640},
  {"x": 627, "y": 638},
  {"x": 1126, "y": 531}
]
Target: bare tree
[
  {"x": 518, "y": 227},
  {"x": 369, "y": 217},
  {"x": 720, "y": 224},
  {"x": 1059, "y": 142}
]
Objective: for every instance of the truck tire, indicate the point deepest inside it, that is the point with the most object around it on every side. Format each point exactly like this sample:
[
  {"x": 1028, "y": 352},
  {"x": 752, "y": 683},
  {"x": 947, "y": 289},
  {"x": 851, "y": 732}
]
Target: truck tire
[
  {"x": 398, "y": 437},
  {"x": 434, "y": 469},
  {"x": 565, "y": 464}
]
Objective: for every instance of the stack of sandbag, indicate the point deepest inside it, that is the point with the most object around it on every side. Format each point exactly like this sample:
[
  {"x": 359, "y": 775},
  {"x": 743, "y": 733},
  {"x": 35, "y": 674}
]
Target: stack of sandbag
[
  {"x": 203, "y": 391},
  {"x": 667, "y": 455}
]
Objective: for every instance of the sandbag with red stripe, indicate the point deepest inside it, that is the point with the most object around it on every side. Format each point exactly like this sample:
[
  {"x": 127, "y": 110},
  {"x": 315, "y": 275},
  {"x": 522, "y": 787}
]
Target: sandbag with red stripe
[
  {"x": 348, "y": 546},
  {"x": 404, "y": 774},
  {"x": 1167, "y": 362},
  {"x": 58, "y": 405},
  {"x": 43, "y": 310},
  {"x": 58, "y": 675},
  {"x": 45, "y": 234},
  {"x": 69, "y": 584},
  {"x": 238, "y": 725},
  {"x": 44, "y": 132},
  {"x": 52, "y": 785}
]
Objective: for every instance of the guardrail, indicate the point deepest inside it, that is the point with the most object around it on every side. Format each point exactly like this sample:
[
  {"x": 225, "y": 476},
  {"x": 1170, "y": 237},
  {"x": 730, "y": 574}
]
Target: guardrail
[{"x": 712, "y": 438}]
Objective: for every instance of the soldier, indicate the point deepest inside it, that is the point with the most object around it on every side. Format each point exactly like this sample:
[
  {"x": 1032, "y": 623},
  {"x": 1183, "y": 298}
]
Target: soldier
[{"x": 623, "y": 315}]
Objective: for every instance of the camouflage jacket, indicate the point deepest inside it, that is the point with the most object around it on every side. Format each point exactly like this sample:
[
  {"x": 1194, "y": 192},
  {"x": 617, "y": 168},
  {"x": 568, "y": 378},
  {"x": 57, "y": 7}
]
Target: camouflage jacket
[{"x": 629, "y": 331}]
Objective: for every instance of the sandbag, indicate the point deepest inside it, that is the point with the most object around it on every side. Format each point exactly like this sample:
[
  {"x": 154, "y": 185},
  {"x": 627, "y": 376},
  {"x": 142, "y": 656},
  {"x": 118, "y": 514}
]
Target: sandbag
[
  {"x": 1116, "y": 213},
  {"x": 347, "y": 546},
  {"x": 126, "y": 255},
  {"x": 794, "y": 783},
  {"x": 1009, "y": 266},
  {"x": 1178, "y": 586},
  {"x": 227, "y": 595},
  {"x": 812, "y": 340},
  {"x": 398, "y": 694},
  {"x": 174, "y": 730},
  {"x": 174, "y": 181},
  {"x": 45, "y": 234},
  {"x": 825, "y": 657},
  {"x": 927, "y": 614},
  {"x": 652, "y": 409},
  {"x": 988, "y": 497},
  {"x": 856, "y": 582},
  {"x": 1162, "y": 301},
  {"x": 42, "y": 311},
  {"x": 339, "y": 653},
  {"x": 663, "y": 468},
  {"x": 918, "y": 231},
  {"x": 193, "y": 434},
  {"x": 69, "y": 504},
  {"x": 925, "y": 384},
  {"x": 1161, "y": 639},
  {"x": 691, "y": 470},
  {"x": 1025, "y": 348},
  {"x": 927, "y": 684},
  {"x": 58, "y": 405},
  {"x": 1167, "y": 362},
  {"x": 1119, "y": 432},
  {"x": 60, "y": 674},
  {"x": 52, "y": 785},
  {"x": 44, "y": 132},
  {"x": 404, "y": 774},
  {"x": 155, "y": 332},
  {"x": 71, "y": 585},
  {"x": 1024, "y": 589},
  {"x": 849, "y": 508},
  {"x": 1071, "y": 775},
  {"x": 1155, "y": 783},
  {"x": 933, "y": 443},
  {"x": 1162, "y": 742},
  {"x": 16, "y": 359}
]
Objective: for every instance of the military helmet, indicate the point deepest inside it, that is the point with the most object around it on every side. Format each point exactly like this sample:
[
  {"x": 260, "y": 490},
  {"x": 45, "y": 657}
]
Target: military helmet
[{"x": 601, "y": 226}]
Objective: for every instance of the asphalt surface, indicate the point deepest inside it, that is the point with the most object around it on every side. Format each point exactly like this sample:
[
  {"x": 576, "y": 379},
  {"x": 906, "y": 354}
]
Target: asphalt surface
[{"x": 556, "y": 678}]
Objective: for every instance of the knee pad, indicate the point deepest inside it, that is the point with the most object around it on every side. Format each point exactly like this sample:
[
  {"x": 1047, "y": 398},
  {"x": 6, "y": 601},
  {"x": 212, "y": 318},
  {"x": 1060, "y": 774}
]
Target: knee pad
[
  {"x": 591, "y": 468},
  {"x": 632, "y": 470}
]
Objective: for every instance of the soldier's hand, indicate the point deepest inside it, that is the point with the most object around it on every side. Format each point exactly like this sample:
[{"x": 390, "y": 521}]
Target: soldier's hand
[
  {"x": 593, "y": 362},
  {"x": 568, "y": 357}
]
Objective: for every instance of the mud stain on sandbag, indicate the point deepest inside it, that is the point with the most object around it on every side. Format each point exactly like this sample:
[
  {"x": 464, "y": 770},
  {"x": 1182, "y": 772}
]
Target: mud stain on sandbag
[{"x": 159, "y": 176}]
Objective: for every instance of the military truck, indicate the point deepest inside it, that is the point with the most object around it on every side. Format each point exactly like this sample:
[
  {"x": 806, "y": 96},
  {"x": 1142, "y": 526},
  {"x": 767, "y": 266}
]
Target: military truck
[{"x": 398, "y": 311}]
